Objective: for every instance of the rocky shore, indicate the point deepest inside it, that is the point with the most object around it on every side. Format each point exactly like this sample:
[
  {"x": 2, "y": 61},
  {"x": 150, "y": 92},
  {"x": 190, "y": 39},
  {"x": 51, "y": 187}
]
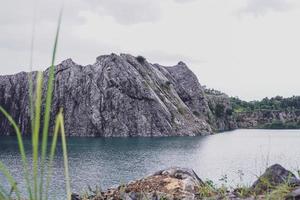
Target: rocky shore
[{"x": 276, "y": 183}]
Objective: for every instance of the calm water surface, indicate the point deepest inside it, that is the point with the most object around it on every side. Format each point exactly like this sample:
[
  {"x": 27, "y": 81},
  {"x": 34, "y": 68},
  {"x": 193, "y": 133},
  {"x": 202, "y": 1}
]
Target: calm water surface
[{"x": 113, "y": 161}]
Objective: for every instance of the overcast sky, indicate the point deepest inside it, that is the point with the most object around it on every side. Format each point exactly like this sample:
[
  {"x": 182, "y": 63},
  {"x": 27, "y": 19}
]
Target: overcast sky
[{"x": 246, "y": 48}]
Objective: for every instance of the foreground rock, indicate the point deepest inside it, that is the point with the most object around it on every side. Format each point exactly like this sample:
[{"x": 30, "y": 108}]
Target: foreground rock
[
  {"x": 294, "y": 195},
  {"x": 274, "y": 176},
  {"x": 276, "y": 183},
  {"x": 172, "y": 183}
]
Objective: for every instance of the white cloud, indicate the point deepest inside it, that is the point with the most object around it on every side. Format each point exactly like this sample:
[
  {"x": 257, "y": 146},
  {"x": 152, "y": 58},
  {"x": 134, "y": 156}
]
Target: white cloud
[
  {"x": 261, "y": 7},
  {"x": 250, "y": 57},
  {"x": 129, "y": 12},
  {"x": 184, "y": 1}
]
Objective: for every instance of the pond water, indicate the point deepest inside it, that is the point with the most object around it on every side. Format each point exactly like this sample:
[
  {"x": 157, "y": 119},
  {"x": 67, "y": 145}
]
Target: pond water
[{"x": 240, "y": 155}]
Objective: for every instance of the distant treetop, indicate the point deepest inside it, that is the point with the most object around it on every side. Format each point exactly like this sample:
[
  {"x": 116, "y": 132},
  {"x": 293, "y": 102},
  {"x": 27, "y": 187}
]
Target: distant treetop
[{"x": 274, "y": 103}]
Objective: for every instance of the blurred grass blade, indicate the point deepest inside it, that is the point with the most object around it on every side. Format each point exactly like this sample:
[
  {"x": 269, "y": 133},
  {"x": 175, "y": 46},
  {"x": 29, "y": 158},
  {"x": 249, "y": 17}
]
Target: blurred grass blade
[
  {"x": 30, "y": 82},
  {"x": 59, "y": 126},
  {"x": 10, "y": 179},
  {"x": 35, "y": 136},
  {"x": 52, "y": 153},
  {"x": 35, "y": 106},
  {"x": 3, "y": 194},
  {"x": 65, "y": 154},
  {"x": 21, "y": 148},
  {"x": 30, "y": 77},
  {"x": 31, "y": 105},
  {"x": 48, "y": 105}
]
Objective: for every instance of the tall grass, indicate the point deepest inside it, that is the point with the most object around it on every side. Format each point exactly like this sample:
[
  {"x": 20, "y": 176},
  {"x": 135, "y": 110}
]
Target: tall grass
[{"x": 41, "y": 169}]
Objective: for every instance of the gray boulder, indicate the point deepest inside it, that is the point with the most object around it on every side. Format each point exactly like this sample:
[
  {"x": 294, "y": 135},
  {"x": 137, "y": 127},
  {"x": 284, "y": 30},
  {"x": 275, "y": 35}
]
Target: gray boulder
[
  {"x": 173, "y": 183},
  {"x": 272, "y": 177},
  {"x": 294, "y": 195}
]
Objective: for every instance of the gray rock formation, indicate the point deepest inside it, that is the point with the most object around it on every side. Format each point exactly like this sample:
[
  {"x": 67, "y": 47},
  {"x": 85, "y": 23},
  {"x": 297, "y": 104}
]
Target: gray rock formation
[
  {"x": 220, "y": 114},
  {"x": 274, "y": 176},
  {"x": 123, "y": 95},
  {"x": 182, "y": 183},
  {"x": 294, "y": 195},
  {"x": 119, "y": 95},
  {"x": 173, "y": 183}
]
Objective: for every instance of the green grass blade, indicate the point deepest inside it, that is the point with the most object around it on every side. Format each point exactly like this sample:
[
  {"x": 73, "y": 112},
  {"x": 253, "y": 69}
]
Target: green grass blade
[
  {"x": 52, "y": 153},
  {"x": 3, "y": 194},
  {"x": 31, "y": 106},
  {"x": 30, "y": 77},
  {"x": 21, "y": 148},
  {"x": 48, "y": 106},
  {"x": 10, "y": 180},
  {"x": 65, "y": 154},
  {"x": 30, "y": 82},
  {"x": 35, "y": 136},
  {"x": 56, "y": 37}
]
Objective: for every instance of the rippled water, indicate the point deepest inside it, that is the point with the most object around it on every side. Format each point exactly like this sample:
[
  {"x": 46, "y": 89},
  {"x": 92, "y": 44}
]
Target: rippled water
[{"x": 112, "y": 161}]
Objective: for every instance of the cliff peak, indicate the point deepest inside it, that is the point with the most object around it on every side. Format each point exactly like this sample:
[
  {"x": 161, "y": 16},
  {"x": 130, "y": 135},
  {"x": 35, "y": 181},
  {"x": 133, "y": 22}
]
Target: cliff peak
[{"x": 68, "y": 61}]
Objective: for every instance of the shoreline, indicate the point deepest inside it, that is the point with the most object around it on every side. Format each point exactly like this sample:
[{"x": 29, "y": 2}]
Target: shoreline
[
  {"x": 276, "y": 183},
  {"x": 168, "y": 136}
]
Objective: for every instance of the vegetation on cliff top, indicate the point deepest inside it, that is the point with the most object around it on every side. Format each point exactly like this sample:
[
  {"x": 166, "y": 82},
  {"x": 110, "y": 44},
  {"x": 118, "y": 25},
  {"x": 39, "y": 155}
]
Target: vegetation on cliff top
[
  {"x": 275, "y": 103},
  {"x": 269, "y": 106}
]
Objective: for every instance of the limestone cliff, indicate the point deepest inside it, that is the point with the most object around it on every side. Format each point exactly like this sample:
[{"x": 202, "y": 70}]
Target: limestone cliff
[
  {"x": 119, "y": 95},
  {"x": 126, "y": 96}
]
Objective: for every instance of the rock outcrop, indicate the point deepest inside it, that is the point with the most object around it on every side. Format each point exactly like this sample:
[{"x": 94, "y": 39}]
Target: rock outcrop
[
  {"x": 180, "y": 183},
  {"x": 173, "y": 183},
  {"x": 272, "y": 177},
  {"x": 221, "y": 116},
  {"x": 119, "y": 95}
]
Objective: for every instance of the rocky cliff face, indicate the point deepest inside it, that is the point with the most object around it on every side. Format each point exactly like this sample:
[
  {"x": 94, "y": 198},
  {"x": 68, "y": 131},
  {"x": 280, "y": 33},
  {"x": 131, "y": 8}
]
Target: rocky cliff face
[
  {"x": 221, "y": 115},
  {"x": 123, "y": 95},
  {"x": 268, "y": 119},
  {"x": 119, "y": 95}
]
